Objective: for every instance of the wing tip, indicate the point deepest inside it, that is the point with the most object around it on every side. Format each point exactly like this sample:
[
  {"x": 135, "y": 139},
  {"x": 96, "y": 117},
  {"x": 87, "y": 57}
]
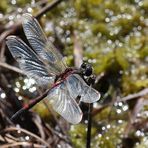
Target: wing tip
[
  {"x": 98, "y": 94},
  {"x": 9, "y": 40},
  {"x": 97, "y": 98},
  {"x": 10, "y": 37},
  {"x": 26, "y": 17},
  {"x": 77, "y": 121},
  {"x": 29, "y": 15}
]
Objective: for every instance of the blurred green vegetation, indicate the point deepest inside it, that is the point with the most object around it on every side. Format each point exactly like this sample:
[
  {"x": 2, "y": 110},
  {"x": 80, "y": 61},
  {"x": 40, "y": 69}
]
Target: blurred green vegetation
[{"x": 114, "y": 39}]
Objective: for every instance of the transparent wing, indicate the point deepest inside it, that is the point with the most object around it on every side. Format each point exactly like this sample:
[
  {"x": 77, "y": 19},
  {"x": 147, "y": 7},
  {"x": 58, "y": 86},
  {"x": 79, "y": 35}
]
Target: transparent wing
[
  {"x": 64, "y": 104},
  {"x": 77, "y": 86},
  {"x": 40, "y": 43},
  {"x": 29, "y": 61}
]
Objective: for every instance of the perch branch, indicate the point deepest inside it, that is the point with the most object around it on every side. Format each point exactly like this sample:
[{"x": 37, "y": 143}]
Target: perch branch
[{"x": 88, "y": 143}]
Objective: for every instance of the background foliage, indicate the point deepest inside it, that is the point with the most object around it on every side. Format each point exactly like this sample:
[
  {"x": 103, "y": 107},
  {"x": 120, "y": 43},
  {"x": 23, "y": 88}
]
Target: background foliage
[{"x": 113, "y": 37}]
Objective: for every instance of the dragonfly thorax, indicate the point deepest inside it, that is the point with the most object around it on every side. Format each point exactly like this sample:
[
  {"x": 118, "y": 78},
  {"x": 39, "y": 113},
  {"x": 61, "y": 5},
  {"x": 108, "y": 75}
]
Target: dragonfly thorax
[{"x": 65, "y": 74}]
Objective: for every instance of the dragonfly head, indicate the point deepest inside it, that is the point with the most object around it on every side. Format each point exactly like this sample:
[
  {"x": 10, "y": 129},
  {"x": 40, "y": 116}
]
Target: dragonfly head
[{"x": 86, "y": 69}]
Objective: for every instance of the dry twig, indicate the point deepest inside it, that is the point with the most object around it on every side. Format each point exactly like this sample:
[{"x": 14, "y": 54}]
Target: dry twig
[
  {"x": 12, "y": 129},
  {"x": 12, "y": 29},
  {"x": 78, "y": 52},
  {"x": 27, "y": 144},
  {"x": 127, "y": 98},
  {"x": 5, "y": 65}
]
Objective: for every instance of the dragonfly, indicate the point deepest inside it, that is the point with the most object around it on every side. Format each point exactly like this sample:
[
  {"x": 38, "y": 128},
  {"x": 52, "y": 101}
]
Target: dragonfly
[{"x": 46, "y": 65}]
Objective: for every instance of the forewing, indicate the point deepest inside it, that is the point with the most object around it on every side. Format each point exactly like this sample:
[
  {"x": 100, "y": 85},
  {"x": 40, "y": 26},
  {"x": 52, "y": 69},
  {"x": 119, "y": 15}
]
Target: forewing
[
  {"x": 64, "y": 104},
  {"x": 29, "y": 61},
  {"x": 78, "y": 87},
  {"x": 40, "y": 43}
]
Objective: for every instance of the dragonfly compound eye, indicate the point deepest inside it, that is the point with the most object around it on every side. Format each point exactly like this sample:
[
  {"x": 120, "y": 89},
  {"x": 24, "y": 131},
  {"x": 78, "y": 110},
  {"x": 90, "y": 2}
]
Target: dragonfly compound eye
[
  {"x": 83, "y": 66},
  {"x": 88, "y": 71}
]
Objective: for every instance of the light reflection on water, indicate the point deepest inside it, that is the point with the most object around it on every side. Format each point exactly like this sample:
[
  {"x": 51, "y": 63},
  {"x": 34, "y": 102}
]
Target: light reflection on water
[
  {"x": 3, "y": 95},
  {"x": 28, "y": 84}
]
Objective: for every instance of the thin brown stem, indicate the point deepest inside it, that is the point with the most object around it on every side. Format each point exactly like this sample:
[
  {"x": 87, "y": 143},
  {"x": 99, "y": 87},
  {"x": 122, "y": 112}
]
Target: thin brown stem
[
  {"x": 5, "y": 65},
  {"x": 11, "y": 129},
  {"x": 12, "y": 29},
  {"x": 77, "y": 51},
  {"x": 2, "y": 52},
  {"x": 48, "y": 8},
  {"x": 127, "y": 98},
  {"x": 27, "y": 144},
  {"x": 134, "y": 96}
]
